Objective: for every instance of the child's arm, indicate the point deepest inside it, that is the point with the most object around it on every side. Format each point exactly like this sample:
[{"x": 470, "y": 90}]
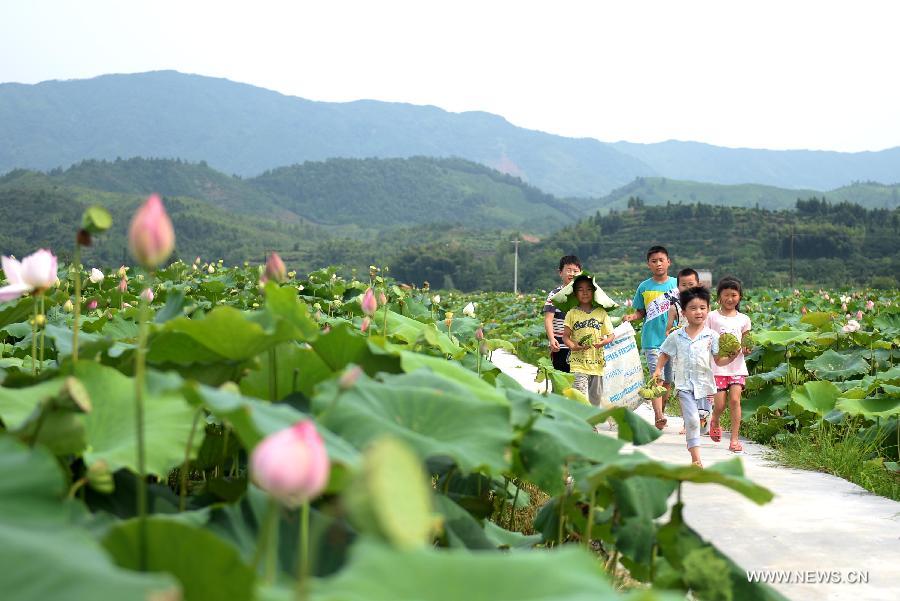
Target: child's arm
[
  {"x": 567, "y": 338},
  {"x": 670, "y": 323},
  {"x": 660, "y": 364},
  {"x": 548, "y": 327},
  {"x": 638, "y": 314},
  {"x": 607, "y": 325}
]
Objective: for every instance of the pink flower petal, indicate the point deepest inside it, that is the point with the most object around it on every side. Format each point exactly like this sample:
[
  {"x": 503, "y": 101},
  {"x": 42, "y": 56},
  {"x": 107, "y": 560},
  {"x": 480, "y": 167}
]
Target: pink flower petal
[{"x": 13, "y": 270}]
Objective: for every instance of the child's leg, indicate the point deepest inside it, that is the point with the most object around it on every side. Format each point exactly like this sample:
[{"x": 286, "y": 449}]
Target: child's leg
[
  {"x": 595, "y": 390},
  {"x": 581, "y": 384},
  {"x": 691, "y": 422},
  {"x": 734, "y": 406}
]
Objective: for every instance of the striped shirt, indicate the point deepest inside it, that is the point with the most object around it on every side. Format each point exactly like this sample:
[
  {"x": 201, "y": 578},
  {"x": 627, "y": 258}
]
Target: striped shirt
[{"x": 559, "y": 317}]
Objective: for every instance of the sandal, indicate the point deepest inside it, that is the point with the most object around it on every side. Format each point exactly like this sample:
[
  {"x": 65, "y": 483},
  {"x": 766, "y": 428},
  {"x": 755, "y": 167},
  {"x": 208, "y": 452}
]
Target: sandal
[
  {"x": 736, "y": 447},
  {"x": 661, "y": 423},
  {"x": 698, "y": 464},
  {"x": 715, "y": 433}
]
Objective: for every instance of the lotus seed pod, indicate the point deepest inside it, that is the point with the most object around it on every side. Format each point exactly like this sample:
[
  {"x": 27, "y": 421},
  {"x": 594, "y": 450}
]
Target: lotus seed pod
[
  {"x": 728, "y": 345},
  {"x": 100, "y": 478}
]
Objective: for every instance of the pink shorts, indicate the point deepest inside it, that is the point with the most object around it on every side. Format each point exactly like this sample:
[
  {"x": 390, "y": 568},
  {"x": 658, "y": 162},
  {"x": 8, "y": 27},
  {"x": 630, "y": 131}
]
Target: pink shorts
[{"x": 725, "y": 382}]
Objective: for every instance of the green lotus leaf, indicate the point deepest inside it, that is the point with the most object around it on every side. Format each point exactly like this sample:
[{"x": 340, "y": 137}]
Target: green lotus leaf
[
  {"x": 453, "y": 371},
  {"x": 208, "y": 568},
  {"x": 832, "y": 365},
  {"x": 759, "y": 380},
  {"x": 818, "y": 396},
  {"x": 773, "y": 397},
  {"x": 96, "y": 219},
  {"x": 54, "y": 559},
  {"x": 817, "y": 319},
  {"x": 432, "y": 413},
  {"x": 781, "y": 337},
  {"x": 871, "y": 407},
  {"x": 567, "y": 574}
]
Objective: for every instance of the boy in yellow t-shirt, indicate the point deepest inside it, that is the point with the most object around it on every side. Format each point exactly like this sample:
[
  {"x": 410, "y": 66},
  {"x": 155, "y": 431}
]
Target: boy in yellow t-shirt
[{"x": 588, "y": 329}]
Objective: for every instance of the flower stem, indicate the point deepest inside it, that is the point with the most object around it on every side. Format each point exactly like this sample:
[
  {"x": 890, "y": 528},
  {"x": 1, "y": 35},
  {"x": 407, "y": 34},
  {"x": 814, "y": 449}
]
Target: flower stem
[
  {"x": 34, "y": 339},
  {"x": 266, "y": 531},
  {"x": 590, "y": 520},
  {"x": 140, "y": 360},
  {"x": 303, "y": 552},
  {"x": 187, "y": 458},
  {"x": 273, "y": 376},
  {"x": 77, "y": 265},
  {"x": 43, "y": 332}
]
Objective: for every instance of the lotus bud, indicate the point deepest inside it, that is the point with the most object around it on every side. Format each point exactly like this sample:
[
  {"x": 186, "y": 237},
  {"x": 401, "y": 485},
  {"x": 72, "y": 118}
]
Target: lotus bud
[
  {"x": 122, "y": 272},
  {"x": 40, "y": 320},
  {"x": 365, "y": 324},
  {"x": 151, "y": 236},
  {"x": 436, "y": 299},
  {"x": 479, "y": 334},
  {"x": 469, "y": 310},
  {"x": 291, "y": 464},
  {"x": 848, "y": 316},
  {"x": 843, "y": 306},
  {"x": 123, "y": 285},
  {"x": 368, "y": 302},
  {"x": 870, "y": 305},
  {"x": 349, "y": 377},
  {"x": 628, "y": 302},
  {"x": 210, "y": 269},
  {"x": 147, "y": 295},
  {"x": 859, "y": 315},
  {"x": 100, "y": 477},
  {"x": 382, "y": 298},
  {"x": 275, "y": 269},
  {"x": 826, "y": 297},
  {"x": 803, "y": 309},
  {"x": 448, "y": 318},
  {"x": 68, "y": 306},
  {"x": 92, "y": 304}
]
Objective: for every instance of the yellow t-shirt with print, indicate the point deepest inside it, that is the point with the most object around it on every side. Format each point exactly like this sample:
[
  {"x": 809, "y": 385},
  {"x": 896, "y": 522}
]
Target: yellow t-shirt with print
[{"x": 588, "y": 328}]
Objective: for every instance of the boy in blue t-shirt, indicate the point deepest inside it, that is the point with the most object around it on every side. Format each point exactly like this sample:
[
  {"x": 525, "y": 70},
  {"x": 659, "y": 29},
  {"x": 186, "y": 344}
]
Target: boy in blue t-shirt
[{"x": 651, "y": 303}]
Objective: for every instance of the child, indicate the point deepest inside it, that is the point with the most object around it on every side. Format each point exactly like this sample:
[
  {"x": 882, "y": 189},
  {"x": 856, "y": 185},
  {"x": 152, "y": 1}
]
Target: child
[
  {"x": 693, "y": 350},
  {"x": 652, "y": 305},
  {"x": 569, "y": 267},
  {"x": 730, "y": 378},
  {"x": 587, "y": 330},
  {"x": 687, "y": 278}
]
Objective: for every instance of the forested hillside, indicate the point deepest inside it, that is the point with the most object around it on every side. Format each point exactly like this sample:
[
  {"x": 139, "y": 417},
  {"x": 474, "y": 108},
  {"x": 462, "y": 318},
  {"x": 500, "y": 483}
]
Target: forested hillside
[
  {"x": 660, "y": 190},
  {"x": 834, "y": 244}
]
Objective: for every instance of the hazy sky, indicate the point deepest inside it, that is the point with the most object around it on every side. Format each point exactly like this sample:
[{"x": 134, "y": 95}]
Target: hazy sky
[{"x": 762, "y": 74}]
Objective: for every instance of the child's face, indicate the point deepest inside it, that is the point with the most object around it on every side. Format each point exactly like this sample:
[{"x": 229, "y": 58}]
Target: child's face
[
  {"x": 568, "y": 273},
  {"x": 729, "y": 299},
  {"x": 659, "y": 264},
  {"x": 686, "y": 282},
  {"x": 696, "y": 311},
  {"x": 584, "y": 292}
]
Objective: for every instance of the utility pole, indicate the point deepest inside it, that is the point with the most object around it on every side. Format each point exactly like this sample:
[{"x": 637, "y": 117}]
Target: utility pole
[
  {"x": 516, "y": 267},
  {"x": 792, "y": 257}
]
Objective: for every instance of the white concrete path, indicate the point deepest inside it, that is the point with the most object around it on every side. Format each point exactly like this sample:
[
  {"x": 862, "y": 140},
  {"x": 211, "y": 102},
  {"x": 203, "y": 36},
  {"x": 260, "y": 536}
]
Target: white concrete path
[{"x": 817, "y": 522}]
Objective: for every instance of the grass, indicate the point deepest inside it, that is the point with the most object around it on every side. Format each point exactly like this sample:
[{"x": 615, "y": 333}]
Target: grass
[{"x": 830, "y": 448}]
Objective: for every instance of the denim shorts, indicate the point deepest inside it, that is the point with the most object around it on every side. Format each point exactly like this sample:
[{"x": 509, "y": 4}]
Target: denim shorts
[{"x": 652, "y": 354}]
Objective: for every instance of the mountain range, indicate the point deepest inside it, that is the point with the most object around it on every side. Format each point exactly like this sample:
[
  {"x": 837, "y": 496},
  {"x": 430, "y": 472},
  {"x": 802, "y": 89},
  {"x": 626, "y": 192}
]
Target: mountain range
[{"x": 245, "y": 130}]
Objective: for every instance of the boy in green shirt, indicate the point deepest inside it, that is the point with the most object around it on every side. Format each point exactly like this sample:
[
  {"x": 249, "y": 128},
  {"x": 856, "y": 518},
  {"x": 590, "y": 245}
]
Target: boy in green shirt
[{"x": 587, "y": 330}]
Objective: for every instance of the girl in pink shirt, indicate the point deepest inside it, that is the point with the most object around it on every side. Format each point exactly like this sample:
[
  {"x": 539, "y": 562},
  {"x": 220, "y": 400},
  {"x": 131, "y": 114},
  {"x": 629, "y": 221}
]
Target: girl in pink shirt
[{"x": 730, "y": 378}]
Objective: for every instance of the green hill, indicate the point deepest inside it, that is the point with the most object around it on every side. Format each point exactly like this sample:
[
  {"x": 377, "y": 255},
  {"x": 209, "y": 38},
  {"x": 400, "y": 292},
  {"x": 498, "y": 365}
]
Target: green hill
[
  {"x": 834, "y": 244},
  {"x": 660, "y": 191},
  {"x": 399, "y": 192}
]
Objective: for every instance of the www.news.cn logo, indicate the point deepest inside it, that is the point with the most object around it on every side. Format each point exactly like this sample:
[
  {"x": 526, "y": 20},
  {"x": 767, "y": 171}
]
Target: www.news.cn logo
[{"x": 808, "y": 576}]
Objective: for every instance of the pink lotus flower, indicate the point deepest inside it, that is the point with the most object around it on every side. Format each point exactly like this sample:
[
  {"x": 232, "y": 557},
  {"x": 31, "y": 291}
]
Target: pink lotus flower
[
  {"x": 151, "y": 236},
  {"x": 479, "y": 334},
  {"x": 35, "y": 273},
  {"x": 826, "y": 297},
  {"x": 368, "y": 302},
  {"x": 123, "y": 285},
  {"x": 147, "y": 295},
  {"x": 291, "y": 464},
  {"x": 852, "y": 326},
  {"x": 92, "y": 305},
  {"x": 859, "y": 314},
  {"x": 275, "y": 269},
  {"x": 870, "y": 304},
  {"x": 365, "y": 324},
  {"x": 628, "y": 302},
  {"x": 803, "y": 310},
  {"x": 382, "y": 298}
]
